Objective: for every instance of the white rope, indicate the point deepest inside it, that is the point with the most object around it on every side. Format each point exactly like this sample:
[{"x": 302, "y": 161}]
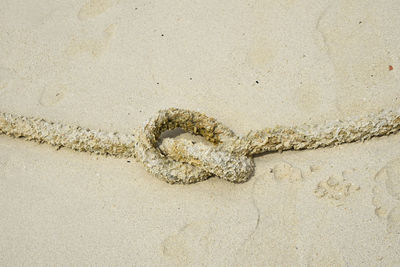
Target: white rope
[{"x": 181, "y": 161}]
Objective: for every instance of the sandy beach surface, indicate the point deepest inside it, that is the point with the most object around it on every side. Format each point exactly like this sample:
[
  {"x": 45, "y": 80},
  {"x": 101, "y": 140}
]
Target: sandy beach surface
[{"x": 110, "y": 65}]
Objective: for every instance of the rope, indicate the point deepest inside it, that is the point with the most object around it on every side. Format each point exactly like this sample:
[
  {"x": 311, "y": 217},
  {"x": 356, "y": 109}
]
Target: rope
[{"x": 181, "y": 161}]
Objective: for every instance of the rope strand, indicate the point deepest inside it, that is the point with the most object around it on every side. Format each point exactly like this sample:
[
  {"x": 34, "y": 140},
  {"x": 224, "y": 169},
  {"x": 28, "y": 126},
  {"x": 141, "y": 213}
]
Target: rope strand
[
  {"x": 73, "y": 137},
  {"x": 184, "y": 162}
]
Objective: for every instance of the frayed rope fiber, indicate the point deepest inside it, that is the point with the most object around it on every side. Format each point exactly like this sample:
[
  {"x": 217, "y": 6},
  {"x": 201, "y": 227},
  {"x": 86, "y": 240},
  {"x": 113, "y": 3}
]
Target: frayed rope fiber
[{"x": 229, "y": 156}]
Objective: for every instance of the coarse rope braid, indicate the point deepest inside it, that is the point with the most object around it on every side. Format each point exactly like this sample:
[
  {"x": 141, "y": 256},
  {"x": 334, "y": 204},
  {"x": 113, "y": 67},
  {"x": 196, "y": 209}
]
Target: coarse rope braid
[{"x": 183, "y": 161}]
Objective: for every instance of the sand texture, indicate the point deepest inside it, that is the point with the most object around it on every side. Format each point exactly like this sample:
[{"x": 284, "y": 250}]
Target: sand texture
[{"x": 113, "y": 64}]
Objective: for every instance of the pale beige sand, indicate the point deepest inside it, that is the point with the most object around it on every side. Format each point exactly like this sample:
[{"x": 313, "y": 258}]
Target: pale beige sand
[{"x": 250, "y": 64}]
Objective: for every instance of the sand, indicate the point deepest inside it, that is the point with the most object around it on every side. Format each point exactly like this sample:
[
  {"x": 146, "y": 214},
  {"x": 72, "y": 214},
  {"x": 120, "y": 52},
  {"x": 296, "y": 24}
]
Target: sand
[{"x": 111, "y": 65}]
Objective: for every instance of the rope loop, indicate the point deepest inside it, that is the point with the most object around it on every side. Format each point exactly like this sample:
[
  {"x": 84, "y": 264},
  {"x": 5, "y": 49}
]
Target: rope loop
[{"x": 182, "y": 161}]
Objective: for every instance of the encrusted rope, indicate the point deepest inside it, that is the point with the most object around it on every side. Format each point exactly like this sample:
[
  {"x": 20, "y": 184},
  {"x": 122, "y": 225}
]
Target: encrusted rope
[{"x": 181, "y": 161}]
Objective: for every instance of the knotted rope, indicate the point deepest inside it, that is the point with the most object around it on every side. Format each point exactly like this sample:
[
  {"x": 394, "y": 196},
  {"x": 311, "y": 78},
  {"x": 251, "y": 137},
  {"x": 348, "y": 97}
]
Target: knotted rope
[{"x": 229, "y": 156}]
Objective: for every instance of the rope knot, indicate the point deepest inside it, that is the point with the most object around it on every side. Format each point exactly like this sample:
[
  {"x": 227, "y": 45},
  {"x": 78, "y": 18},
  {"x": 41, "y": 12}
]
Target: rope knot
[{"x": 182, "y": 161}]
